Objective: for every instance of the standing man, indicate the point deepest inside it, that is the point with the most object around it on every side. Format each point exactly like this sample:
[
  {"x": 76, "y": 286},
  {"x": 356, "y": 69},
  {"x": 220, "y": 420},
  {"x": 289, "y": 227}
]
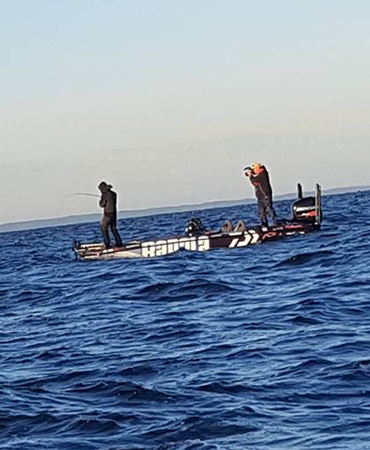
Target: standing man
[
  {"x": 108, "y": 201},
  {"x": 259, "y": 177}
]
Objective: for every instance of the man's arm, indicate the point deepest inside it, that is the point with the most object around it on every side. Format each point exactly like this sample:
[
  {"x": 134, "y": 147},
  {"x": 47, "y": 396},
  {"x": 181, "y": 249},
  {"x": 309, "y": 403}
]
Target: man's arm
[
  {"x": 255, "y": 179},
  {"x": 102, "y": 201},
  {"x": 249, "y": 174}
]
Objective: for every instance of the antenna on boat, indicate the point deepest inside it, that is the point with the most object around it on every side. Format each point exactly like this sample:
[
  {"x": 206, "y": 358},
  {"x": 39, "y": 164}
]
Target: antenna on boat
[
  {"x": 299, "y": 190},
  {"x": 318, "y": 204}
]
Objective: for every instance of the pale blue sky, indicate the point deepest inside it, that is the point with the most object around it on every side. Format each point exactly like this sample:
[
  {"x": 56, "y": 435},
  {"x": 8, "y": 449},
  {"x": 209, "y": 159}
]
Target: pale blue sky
[{"x": 169, "y": 99}]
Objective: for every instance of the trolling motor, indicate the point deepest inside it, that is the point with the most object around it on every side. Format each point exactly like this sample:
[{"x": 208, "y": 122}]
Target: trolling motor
[
  {"x": 308, "y": 209},
  {"x": 76, "y": 244}
]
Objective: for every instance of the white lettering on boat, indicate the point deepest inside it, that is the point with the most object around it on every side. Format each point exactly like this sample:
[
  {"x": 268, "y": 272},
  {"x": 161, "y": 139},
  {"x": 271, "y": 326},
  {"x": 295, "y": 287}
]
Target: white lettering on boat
[
  {"x": 168, "y": 246},
  {"x": 246, "y": 238}
]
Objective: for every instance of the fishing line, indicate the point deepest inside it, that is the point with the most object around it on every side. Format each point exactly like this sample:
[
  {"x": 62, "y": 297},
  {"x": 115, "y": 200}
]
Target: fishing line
[
  {"x": 84, "y": 194},
  {"x": 66, "y": 200}
]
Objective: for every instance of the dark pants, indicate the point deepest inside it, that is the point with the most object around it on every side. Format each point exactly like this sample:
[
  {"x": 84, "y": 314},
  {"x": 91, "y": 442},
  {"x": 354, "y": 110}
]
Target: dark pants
[
  {"x": 265, "y": 207},
  {"x": 110, "y": 221}
]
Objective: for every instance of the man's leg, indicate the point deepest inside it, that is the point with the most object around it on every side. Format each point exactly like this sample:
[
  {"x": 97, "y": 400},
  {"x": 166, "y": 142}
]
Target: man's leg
[
  {"x": 262, "y": 212},
  {"x": 104, "y": 231},
  {"x": 271, "y": 211},
  {"x": 117, "y": 237}
]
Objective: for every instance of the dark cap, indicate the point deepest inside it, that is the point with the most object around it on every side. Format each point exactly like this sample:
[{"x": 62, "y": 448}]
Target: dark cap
[{"x": 103, "y": 186}]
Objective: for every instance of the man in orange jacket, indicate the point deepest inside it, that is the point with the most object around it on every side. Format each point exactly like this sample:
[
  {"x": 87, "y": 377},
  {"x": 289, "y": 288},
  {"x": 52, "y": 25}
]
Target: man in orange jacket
[{"x": 259, "y": 178}]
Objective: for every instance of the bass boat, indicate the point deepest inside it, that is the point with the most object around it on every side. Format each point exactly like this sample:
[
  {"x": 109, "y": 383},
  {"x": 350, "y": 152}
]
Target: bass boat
[{"x": 306, "y": 218}]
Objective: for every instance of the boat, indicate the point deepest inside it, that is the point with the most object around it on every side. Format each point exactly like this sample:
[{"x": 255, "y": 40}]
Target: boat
[{"x": 306, "y": 218}]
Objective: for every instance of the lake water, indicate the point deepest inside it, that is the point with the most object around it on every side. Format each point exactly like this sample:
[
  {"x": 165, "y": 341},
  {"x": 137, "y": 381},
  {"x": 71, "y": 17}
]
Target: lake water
[{"x": 266, "y": 347}]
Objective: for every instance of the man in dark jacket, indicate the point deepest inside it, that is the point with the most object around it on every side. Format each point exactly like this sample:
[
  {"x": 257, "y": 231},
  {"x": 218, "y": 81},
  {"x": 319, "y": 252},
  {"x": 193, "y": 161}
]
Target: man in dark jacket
[
  {"x": 259, "y": 177},
  {"x": 108, "y": 201}
]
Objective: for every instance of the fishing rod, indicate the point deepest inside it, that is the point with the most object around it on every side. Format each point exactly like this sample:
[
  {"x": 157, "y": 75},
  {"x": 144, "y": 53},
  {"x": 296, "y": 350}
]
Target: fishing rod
[{"x": 84, "y": 194}]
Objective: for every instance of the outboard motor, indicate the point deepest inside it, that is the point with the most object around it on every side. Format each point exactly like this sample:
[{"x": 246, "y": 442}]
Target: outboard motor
[
  {"x": 308, "y": 209},
  {"x": 195, "y": 228},
  {"x": 304, "y": 209}
]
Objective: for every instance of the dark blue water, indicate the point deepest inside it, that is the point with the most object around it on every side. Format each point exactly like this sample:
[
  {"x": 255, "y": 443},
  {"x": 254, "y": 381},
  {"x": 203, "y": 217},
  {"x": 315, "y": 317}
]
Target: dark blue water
[{"x": 266, "y": 347}]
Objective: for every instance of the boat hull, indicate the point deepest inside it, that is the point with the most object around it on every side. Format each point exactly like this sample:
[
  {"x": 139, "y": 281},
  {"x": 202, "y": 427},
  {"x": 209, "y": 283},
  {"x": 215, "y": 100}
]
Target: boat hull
[
  {"x": 307, "y": 217},
  {"x": 201, "y": 243}
]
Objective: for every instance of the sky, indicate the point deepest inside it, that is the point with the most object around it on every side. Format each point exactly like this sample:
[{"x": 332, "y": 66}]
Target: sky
[{"x": 168, "y": 100}]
